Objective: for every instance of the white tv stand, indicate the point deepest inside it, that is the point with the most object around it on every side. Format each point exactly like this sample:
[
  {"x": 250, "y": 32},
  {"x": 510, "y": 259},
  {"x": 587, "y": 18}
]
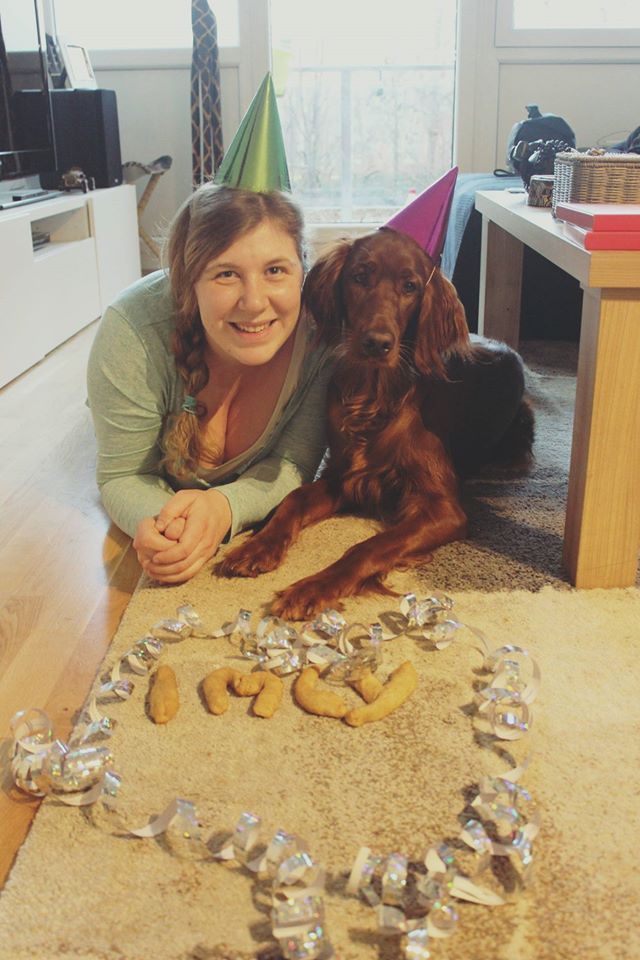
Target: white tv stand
[{"x": 50, "y": 292}]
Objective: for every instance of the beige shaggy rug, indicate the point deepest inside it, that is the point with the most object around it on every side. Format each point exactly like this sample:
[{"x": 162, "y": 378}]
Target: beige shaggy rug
[{"x": 80, "y": 889}]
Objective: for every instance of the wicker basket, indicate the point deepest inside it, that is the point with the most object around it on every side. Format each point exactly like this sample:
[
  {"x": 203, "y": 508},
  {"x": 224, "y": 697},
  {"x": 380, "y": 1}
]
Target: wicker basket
[{"x": 596, "y": 177}]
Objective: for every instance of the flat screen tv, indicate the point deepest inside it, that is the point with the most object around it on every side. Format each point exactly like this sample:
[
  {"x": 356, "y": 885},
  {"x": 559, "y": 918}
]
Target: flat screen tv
[{"x": 26, "y": 129}]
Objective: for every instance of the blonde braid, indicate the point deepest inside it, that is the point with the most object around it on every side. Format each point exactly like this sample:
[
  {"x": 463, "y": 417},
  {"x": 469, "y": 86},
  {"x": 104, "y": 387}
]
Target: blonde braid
[{"x": 183, "y": 441}]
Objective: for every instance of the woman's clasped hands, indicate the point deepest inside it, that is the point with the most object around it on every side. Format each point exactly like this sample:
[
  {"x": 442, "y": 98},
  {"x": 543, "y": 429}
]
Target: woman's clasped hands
[{"x": 187, "y": 532}]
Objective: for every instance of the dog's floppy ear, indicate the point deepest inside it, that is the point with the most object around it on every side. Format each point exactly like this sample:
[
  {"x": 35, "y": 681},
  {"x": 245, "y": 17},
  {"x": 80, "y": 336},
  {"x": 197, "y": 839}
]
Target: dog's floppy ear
[
  {"x": 321, "y": 294},
  {"x": 442, "y": 327}
]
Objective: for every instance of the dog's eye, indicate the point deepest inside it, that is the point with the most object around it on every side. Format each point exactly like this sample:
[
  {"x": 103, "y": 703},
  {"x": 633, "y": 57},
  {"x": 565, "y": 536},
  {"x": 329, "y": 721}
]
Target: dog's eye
[
  {"x": 360, "y": 279},
  {"x": 409, "y": 286}
]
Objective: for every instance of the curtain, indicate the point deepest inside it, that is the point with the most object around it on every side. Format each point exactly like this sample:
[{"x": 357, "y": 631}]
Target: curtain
[{"x": 206, "y": 118}]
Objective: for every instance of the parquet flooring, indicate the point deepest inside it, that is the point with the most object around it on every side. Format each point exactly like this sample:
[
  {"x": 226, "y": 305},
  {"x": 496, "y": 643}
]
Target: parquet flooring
[{"x": 66, "y": 573}]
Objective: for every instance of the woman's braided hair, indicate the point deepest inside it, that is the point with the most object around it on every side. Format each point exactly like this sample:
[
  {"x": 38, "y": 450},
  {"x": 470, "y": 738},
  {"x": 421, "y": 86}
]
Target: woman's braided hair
[{"x": 212, "y": 219}]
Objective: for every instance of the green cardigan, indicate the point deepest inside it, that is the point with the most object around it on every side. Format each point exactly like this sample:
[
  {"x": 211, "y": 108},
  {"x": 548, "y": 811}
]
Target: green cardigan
[{"x": 133, "y": 387}]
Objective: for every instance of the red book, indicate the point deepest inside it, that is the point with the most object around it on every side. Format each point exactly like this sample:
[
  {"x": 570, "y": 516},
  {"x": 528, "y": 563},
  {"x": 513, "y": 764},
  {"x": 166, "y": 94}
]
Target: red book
[
  {"x": 602, "y": 239},
  {"x": 601, "y": 216}
]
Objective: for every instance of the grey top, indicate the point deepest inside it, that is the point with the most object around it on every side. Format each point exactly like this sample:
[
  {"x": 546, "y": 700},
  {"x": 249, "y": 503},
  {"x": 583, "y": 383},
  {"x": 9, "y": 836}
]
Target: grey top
[{"x": 133, "y": 386}]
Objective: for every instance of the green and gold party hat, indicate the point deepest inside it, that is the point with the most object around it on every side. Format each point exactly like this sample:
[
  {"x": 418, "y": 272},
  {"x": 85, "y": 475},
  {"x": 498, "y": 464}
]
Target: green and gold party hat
[{"x": 256, "y": 159}]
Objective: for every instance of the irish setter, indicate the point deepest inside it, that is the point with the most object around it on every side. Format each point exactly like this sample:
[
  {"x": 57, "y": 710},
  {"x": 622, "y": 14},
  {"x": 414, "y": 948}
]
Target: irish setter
[{"x": 396, "y": 322}]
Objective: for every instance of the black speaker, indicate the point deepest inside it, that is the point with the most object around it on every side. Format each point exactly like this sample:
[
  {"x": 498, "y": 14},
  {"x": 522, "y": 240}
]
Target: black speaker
[{"x": 85, "y": 125}]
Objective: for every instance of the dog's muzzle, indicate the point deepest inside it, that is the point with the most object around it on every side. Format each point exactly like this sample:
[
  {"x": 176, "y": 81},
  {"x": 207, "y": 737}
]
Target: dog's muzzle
[{"x": 377, "y": 344}]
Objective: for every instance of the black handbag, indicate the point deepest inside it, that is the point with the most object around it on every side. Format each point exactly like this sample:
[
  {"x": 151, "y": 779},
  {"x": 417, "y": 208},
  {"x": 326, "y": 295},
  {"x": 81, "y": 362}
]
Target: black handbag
[{"x": 537, "y": 126}]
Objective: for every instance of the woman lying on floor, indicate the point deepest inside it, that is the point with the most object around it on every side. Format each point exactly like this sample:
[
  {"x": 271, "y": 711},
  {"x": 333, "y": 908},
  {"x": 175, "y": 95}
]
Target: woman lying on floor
[{"x": 207, "y": 389}]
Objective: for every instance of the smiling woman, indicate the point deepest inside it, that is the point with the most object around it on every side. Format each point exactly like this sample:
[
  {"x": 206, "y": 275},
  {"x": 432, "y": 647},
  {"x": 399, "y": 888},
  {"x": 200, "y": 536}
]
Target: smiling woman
[
  {"x": 206, "y": 387},
  {"x": 248, "y": 301},
  {"x": 205, "y": 382},
  {"x": 249, "y": 298}
]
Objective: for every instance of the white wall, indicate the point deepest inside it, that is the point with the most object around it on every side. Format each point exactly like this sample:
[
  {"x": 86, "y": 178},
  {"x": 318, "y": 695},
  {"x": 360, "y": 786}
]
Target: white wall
[
  {"x": 154, "y": 119},
  {"x": 593, "y": 88},
  {"x": 153, "y": 91}
]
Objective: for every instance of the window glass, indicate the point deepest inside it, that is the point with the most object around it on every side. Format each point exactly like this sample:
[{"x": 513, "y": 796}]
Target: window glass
[
  {"x": 141, "y": 24},
  {"x": 366, "y": 101},
  {"x": 576, "y": 15}
]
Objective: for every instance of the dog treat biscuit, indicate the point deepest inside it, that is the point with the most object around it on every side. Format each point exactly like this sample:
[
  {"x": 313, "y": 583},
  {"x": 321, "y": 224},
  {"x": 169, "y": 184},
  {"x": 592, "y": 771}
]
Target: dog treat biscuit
[
  {"x": 265, "y": 686},
  {"x": 163, "y": 695},
  {"x": 270, "y": 697},
  {"x": 367, "y": 685},
  {"x": 214, "y": 688},
  {"x": 248, "y": 684},
  {"x": 398, "y": 688},
  {"x": 324, "y": 703}
]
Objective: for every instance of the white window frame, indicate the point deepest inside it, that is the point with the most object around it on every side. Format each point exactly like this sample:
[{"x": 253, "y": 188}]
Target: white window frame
[{"x": 507, "y": 36}]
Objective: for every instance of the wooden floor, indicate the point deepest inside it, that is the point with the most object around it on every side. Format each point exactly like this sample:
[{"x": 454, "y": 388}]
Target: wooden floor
[{"x": 66, "y": 574}]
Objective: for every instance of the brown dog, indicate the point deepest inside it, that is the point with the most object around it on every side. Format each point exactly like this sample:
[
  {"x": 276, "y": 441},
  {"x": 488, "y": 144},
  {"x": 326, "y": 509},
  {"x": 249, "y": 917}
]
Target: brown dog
[{"x": 397, "y": 325}]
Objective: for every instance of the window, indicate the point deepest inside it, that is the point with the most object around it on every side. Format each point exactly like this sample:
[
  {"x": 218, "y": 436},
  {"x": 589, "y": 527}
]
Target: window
[
  {"x": 568, "y": 23},
  {"x": 366, "y": 101},
  {"x": 139, "y": 24}
]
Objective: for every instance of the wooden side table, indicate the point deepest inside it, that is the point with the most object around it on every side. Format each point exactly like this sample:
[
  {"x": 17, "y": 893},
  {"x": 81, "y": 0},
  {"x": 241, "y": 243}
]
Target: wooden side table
[{"x": 602, "y": 526}]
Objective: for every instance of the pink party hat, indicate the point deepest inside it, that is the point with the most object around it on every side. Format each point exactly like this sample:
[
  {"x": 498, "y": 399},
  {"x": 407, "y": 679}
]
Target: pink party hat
[{"x": 425, "y": 218}]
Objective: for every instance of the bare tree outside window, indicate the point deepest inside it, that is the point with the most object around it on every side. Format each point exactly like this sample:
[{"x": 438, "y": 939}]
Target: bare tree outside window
[{"x": 366, "y": 99}]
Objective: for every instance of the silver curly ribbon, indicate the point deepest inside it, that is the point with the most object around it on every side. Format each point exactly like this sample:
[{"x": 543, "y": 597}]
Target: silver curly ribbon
[
  {"x": 41, "y": 765},
  {"x": 343, "y": 650},
  {"x": 506, "y": 700},
  {"x": 179, "y": 816},
  {"x": 509, "y": 820},
  {"x": 297, "y": 905},
  {"x": 80, "y": 773},
  {"x": 139, "y": 660}
]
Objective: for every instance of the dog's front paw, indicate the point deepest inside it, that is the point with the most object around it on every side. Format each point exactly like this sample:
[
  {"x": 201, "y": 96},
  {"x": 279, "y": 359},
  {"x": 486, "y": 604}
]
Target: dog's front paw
[
  {"x": 303, "y": 599},
  {"x": 252, "y": 558}
]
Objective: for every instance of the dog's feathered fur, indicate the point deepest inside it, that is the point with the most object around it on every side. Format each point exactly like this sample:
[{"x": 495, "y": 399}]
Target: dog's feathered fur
[{"x": 397, "y": 326}]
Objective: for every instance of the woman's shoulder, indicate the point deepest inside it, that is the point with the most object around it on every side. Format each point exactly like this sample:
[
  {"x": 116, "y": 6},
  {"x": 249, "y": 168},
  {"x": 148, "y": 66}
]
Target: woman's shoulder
[
  {"x": 143, "y": 315},
  {"x": 311, "y": 365},
  {"x": 147, "y": 302},
  {"x": 131, "y": 350},
  {"x": 317, "y": 355}
]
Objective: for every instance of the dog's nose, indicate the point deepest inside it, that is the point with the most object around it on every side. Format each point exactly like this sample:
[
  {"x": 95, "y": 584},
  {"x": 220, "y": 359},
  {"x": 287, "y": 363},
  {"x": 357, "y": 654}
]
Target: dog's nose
[{"x": 377, "y": 344}]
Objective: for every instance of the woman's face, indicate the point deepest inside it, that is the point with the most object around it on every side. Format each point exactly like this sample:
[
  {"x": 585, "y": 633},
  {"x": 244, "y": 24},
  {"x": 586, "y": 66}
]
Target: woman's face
[{"x": 249, "y": 296}]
